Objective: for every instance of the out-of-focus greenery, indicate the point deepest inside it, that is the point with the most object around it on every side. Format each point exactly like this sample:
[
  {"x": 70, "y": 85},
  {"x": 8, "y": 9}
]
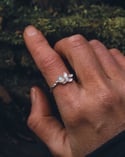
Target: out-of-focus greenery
[{"x": 94, "y": 21}]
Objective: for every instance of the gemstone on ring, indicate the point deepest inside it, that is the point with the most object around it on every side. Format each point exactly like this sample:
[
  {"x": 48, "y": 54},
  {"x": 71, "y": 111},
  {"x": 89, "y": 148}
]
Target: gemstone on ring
[
  {"x": 65, "y": 78},
  {"x": 60, "y": 79}
]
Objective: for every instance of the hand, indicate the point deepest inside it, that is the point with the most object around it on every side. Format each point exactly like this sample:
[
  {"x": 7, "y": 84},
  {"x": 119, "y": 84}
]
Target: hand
[{"x": 92, "y": 109}]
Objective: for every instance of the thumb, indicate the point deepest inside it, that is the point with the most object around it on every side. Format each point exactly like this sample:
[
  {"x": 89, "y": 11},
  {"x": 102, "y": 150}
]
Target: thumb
[{"x": 45, "y": 126}]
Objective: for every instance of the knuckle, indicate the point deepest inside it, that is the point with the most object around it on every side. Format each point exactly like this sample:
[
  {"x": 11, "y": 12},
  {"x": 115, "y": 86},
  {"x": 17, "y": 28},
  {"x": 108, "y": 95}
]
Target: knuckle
[
  {"x": 59, "y": 44},
  {"x": 49, "y": 62},
  {"x": 95, "y": 43},
  {"x": 76, "y": 41},
  {"x": 33, "y": 122},
  {"x": 109, "y": 98},
  {"x": 38, "y": 46},
  {"x": 75, "y": 118},
  {"x": 37, "y": 52},
  {"x": 114, "y": 51}
]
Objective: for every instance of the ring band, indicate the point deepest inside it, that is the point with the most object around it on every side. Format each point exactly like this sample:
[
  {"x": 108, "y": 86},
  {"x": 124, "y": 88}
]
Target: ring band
[{"x": 65, "y": 78}]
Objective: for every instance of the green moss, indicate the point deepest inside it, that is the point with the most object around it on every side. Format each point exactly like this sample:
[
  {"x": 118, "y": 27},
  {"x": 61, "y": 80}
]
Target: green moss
[
  {"x": 101, "y": 22},
  {"x": 79, "y": 19}
]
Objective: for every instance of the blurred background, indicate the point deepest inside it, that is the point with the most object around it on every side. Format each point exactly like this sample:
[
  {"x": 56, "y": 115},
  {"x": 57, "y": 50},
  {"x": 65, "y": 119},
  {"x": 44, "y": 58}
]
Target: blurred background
[{"x": 100, "y": 19}]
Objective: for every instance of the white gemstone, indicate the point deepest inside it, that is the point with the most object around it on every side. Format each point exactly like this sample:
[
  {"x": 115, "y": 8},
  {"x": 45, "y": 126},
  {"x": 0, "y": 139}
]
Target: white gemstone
[
  {"x": 70, "y": 80},
  {"x": 60, "y": 79},
  {"x": 70, "y": 75},
  {"x": 66, "y": 77}
]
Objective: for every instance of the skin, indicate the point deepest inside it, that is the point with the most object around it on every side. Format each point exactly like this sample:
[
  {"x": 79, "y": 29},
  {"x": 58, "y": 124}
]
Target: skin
[{"x": 92, "y": 109}]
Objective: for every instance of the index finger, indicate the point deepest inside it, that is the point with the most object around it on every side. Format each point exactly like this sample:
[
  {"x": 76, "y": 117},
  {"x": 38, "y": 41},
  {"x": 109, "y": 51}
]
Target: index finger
[{"x": 50, "y": 64}]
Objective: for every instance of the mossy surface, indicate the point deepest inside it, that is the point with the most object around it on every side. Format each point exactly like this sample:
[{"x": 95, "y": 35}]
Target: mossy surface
[
  {"x": 99, "y": 20},
  {"x": 94, "y": 22}
]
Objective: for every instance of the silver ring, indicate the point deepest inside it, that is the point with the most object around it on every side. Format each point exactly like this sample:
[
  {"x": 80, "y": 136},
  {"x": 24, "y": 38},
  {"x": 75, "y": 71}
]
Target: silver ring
[{"x": 65, "y": 78}]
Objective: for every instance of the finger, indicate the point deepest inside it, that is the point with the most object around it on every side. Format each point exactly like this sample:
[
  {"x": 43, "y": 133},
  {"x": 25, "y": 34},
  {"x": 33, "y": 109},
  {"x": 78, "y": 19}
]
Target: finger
[
  {"x": 47, "y": 60},
  {"x": 80, "y": 55},
  {"x": 110, "y": 66},
  {"x": 44, "y": 125},
  {"x": 119, "y": 57},
  {"x": 51, "y": 66}
]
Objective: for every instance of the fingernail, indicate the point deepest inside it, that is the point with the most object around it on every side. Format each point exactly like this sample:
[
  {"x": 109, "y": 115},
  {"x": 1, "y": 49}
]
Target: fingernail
[
  {"x": 33, "y": 95},
  {"x": 31, "y": 31}
]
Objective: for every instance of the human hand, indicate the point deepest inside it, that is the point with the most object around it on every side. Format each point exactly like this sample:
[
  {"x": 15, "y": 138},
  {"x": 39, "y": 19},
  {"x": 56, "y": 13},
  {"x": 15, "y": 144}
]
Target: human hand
[{"x": 92, "y": 109}]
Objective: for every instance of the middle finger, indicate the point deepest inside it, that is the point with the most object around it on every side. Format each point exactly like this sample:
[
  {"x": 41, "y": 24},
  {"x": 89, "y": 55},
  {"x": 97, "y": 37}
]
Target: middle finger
[{"x": 82, "y": 58}]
